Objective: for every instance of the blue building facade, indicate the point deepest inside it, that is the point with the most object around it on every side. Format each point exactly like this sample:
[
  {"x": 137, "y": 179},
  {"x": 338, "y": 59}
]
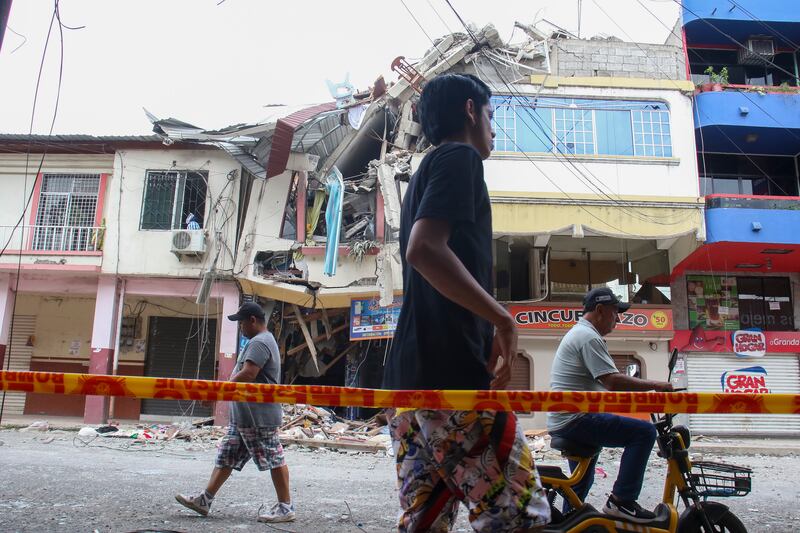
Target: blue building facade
[{"x": 743, "y": 57}]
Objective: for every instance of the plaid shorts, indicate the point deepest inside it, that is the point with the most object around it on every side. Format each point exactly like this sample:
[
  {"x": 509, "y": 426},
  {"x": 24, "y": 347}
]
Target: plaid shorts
[
  {"x": 480, "y": 458},
  {"x": 241, "y": 444}
]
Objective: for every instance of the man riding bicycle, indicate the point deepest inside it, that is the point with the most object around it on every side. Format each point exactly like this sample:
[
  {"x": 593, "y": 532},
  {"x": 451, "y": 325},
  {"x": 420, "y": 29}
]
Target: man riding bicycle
[{"x": 582, "y": 363}]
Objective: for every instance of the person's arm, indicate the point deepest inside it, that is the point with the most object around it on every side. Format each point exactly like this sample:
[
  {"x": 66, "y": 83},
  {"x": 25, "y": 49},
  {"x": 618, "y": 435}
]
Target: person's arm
[
  {"x": 449, "y": 198},
  {"x": 623, "y": 382},
  {"x": 247, "y": 374},
  {"x": 256, "y": 358},
  {"x": 428, "y": 253},
  {"x": 601, "y": 365}
]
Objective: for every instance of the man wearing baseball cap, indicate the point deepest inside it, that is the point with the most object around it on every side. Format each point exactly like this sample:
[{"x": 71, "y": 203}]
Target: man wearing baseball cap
[
  {"x": 253, "y": 431},
  {"x": 582, "y": 363}
]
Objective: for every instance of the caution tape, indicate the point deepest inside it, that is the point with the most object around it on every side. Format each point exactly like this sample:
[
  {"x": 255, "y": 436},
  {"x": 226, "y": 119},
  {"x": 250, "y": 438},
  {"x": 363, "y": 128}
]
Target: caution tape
[{"x": 520, "y": 401}]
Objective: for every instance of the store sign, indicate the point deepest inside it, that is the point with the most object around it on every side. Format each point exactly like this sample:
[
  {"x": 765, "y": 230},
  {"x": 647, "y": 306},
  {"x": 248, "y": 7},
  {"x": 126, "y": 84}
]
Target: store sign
[
  {"x": 699, "y": 340},
  {"x": 750, "y": 380},
  {"x": 539, "y": 317},
  {"x": 749, "y": 343},
  {"x": 369, "y": 321}
]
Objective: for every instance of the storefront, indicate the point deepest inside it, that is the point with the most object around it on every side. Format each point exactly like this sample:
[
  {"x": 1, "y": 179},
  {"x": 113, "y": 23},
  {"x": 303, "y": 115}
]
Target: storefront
[
  {"x": 738, "y": 335},
  {"x": 641, "y": 338}
]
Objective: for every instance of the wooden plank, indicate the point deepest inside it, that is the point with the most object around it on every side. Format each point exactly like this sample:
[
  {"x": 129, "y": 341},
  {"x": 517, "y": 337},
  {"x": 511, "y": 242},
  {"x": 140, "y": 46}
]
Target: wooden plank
[
  {"x": 334, "y": 444},
  {"x": 317, "y": 315},
  {"x": 327, "y": 323},
  {"x": 306, "y": 334},
  {"x": 301, "y": 347},
  {"x": 335, "y": 359}
]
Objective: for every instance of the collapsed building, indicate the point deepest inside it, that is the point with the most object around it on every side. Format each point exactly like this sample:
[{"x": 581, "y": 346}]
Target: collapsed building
[{"x": 588, "y": 188}]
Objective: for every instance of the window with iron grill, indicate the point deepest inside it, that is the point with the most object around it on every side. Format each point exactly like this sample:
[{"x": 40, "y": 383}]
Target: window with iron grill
[
  {"x": 171, "y": 196},
  {"x": 67, "y": 212}
]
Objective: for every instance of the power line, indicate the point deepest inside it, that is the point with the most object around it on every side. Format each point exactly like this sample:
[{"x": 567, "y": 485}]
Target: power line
[
  {"x": 695, "y": 102},
  {"x": 511, "y": 90},
  {"x": 566, "y": 161},
  {"x": 56, "y": 16},
  {"x": 411, "y": 13},
  {"x": 767, "y": 26},
  {"x": 469, "y": 31},
  {"x": 733, "y": 39},
  {"x": 743, "y": 93}
]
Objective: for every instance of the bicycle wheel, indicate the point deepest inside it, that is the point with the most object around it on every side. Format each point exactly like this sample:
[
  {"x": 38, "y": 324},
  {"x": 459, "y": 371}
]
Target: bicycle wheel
[{"x": 722, "y": 520}]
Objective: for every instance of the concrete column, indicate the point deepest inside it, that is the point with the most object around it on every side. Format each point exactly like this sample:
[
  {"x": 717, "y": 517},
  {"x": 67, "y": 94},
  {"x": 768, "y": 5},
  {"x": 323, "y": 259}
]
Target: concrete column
[
  {"x": 102, "y": 356},
  {"x": 228, "y": 341},
  {"x": 7, "y": 297}
]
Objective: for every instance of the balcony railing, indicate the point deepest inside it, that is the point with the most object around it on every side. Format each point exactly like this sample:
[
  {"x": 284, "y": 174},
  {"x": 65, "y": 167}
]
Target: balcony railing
[{"x": 52, "y": 238}]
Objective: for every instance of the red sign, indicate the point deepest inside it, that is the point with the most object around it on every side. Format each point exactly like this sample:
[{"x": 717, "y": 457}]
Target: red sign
[
  {"x": 747, "y": 380},
  {"x": 541, "y": 317},
  {"x": 698, "y": 340},
  {"x": 749, "y": 343}
]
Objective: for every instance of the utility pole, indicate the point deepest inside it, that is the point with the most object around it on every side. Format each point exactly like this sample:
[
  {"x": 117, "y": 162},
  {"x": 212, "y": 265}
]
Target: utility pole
[{"x": 580, "y": 8}]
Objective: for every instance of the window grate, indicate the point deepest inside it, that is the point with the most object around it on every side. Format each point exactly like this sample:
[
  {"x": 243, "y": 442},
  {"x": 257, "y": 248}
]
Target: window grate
[
  {"x": 171, "y": 196},
  {"x": 67, "y": 207}
]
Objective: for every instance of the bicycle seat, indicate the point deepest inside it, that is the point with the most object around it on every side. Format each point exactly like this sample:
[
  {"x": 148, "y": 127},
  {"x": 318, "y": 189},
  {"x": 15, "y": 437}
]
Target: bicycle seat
[
  {"x": 553, "y": 472},
  {"x": 571, "y": 447}
]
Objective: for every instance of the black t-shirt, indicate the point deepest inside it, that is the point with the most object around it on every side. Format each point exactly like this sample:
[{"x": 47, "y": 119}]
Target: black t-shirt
[{"x": 439, "y": 344}]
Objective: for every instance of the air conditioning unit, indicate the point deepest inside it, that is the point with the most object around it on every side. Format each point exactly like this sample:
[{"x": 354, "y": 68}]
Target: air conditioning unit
[
  {"x": 188, "y": 242},
  {"x": 757, "y": 51}
]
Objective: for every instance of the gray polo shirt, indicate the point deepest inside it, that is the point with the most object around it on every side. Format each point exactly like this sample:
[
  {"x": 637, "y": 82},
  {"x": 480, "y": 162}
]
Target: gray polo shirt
[
  {"x": 581, "y": 358},
  {"x": 262, "y": 350}
]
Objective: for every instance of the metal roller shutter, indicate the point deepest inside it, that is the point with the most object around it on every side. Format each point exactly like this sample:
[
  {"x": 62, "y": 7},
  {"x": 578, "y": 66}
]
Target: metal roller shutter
[
  {"x": 173, "y": 351},
  {"x": 520, "y": 373},
  {"x": 18, "y": 357},
  {"x": 704, "y": 374}
]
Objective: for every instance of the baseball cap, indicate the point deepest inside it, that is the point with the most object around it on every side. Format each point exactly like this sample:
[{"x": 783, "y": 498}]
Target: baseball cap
[
  {"x": 247, "y": 310},
  {"x": 605, "y": 296}
]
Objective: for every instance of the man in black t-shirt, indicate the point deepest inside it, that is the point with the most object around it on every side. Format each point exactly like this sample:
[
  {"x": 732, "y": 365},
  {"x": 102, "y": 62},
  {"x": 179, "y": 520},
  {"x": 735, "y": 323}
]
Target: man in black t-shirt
[{"x": 452, "y": 334}]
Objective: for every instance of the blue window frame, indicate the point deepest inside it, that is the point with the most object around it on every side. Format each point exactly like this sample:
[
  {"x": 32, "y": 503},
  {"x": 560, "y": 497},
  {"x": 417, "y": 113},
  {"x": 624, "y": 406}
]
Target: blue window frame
[{"x": 582, "y": 126}]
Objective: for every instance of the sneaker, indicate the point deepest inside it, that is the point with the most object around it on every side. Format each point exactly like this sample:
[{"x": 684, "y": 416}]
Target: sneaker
[
  {"x": 280, "y": 512},
  {"x": 630, "y": 510},
  {"x": 198, "y": 503}
]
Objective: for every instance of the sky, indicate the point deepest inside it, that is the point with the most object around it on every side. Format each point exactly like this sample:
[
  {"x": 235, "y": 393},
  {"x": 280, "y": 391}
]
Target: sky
[{"x": 214, "y": 64}]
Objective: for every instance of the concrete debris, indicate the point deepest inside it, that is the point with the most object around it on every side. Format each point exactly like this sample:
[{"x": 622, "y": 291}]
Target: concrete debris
[
  {"x": 39, "y": 425},
  {"x": 315, "y": 427}
]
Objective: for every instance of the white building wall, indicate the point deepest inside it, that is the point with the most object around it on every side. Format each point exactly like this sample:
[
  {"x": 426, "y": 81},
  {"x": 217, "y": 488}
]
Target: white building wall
[
  {"x": 661, "y": 179},
  {"x": 14, "y": 192},
  {"x": 147, "y": 252},
  {"x": 262, "y": 232}
]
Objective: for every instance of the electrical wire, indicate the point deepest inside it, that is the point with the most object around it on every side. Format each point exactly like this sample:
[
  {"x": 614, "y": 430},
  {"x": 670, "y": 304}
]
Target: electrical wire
[
  {"x": 593, "y": 182},
  {"x": 743, "y": 93},
  {"x": 767, "y": 26},
  {"x": 733, "y": 39},
  {"x": 55, "y": 16},
  {"x": 411, "y": 13},
  {"x": 24, "y": 39}
]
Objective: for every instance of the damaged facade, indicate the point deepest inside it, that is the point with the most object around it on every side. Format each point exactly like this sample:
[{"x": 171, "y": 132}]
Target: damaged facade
[{"x": 588, "y": 185}]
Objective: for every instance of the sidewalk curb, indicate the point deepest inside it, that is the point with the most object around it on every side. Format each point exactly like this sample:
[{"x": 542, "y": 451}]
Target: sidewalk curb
[{"x": 744, "y": 449}]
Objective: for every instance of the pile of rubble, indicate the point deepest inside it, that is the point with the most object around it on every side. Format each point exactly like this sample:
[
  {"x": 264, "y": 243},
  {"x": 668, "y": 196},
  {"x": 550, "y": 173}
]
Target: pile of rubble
[{"x": 316, "y": 427}]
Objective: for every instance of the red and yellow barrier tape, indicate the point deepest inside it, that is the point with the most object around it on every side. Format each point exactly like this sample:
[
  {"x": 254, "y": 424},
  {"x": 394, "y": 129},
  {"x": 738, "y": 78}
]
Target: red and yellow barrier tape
[{"x": 520, "y": 401}]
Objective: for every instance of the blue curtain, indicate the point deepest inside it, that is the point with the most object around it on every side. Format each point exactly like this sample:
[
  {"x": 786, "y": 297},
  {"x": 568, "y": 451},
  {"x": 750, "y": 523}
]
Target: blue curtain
[{"x": 333, "y": 219}]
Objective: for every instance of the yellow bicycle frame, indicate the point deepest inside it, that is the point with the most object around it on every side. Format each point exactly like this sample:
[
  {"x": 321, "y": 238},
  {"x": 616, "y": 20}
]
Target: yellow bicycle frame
[{"x": 673, "y": 483}]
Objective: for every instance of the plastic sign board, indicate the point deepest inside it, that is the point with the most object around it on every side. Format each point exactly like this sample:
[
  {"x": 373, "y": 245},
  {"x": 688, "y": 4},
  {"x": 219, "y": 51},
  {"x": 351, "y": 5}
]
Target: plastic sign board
[
  {"x": 749, "y": 380},
  {"x": 540, "y": 317},
  {"x": 369, "y": 321},
  {"x": 749, "y": 343}
]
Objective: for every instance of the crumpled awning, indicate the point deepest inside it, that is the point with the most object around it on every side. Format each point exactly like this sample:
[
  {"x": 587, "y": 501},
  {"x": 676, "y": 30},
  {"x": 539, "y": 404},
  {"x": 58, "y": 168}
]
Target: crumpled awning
[{"x": 320, "y": 298}]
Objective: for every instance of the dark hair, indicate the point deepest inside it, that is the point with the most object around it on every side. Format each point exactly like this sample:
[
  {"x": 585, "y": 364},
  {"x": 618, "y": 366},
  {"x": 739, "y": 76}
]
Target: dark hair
[{"x": 441, "y": 106}]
